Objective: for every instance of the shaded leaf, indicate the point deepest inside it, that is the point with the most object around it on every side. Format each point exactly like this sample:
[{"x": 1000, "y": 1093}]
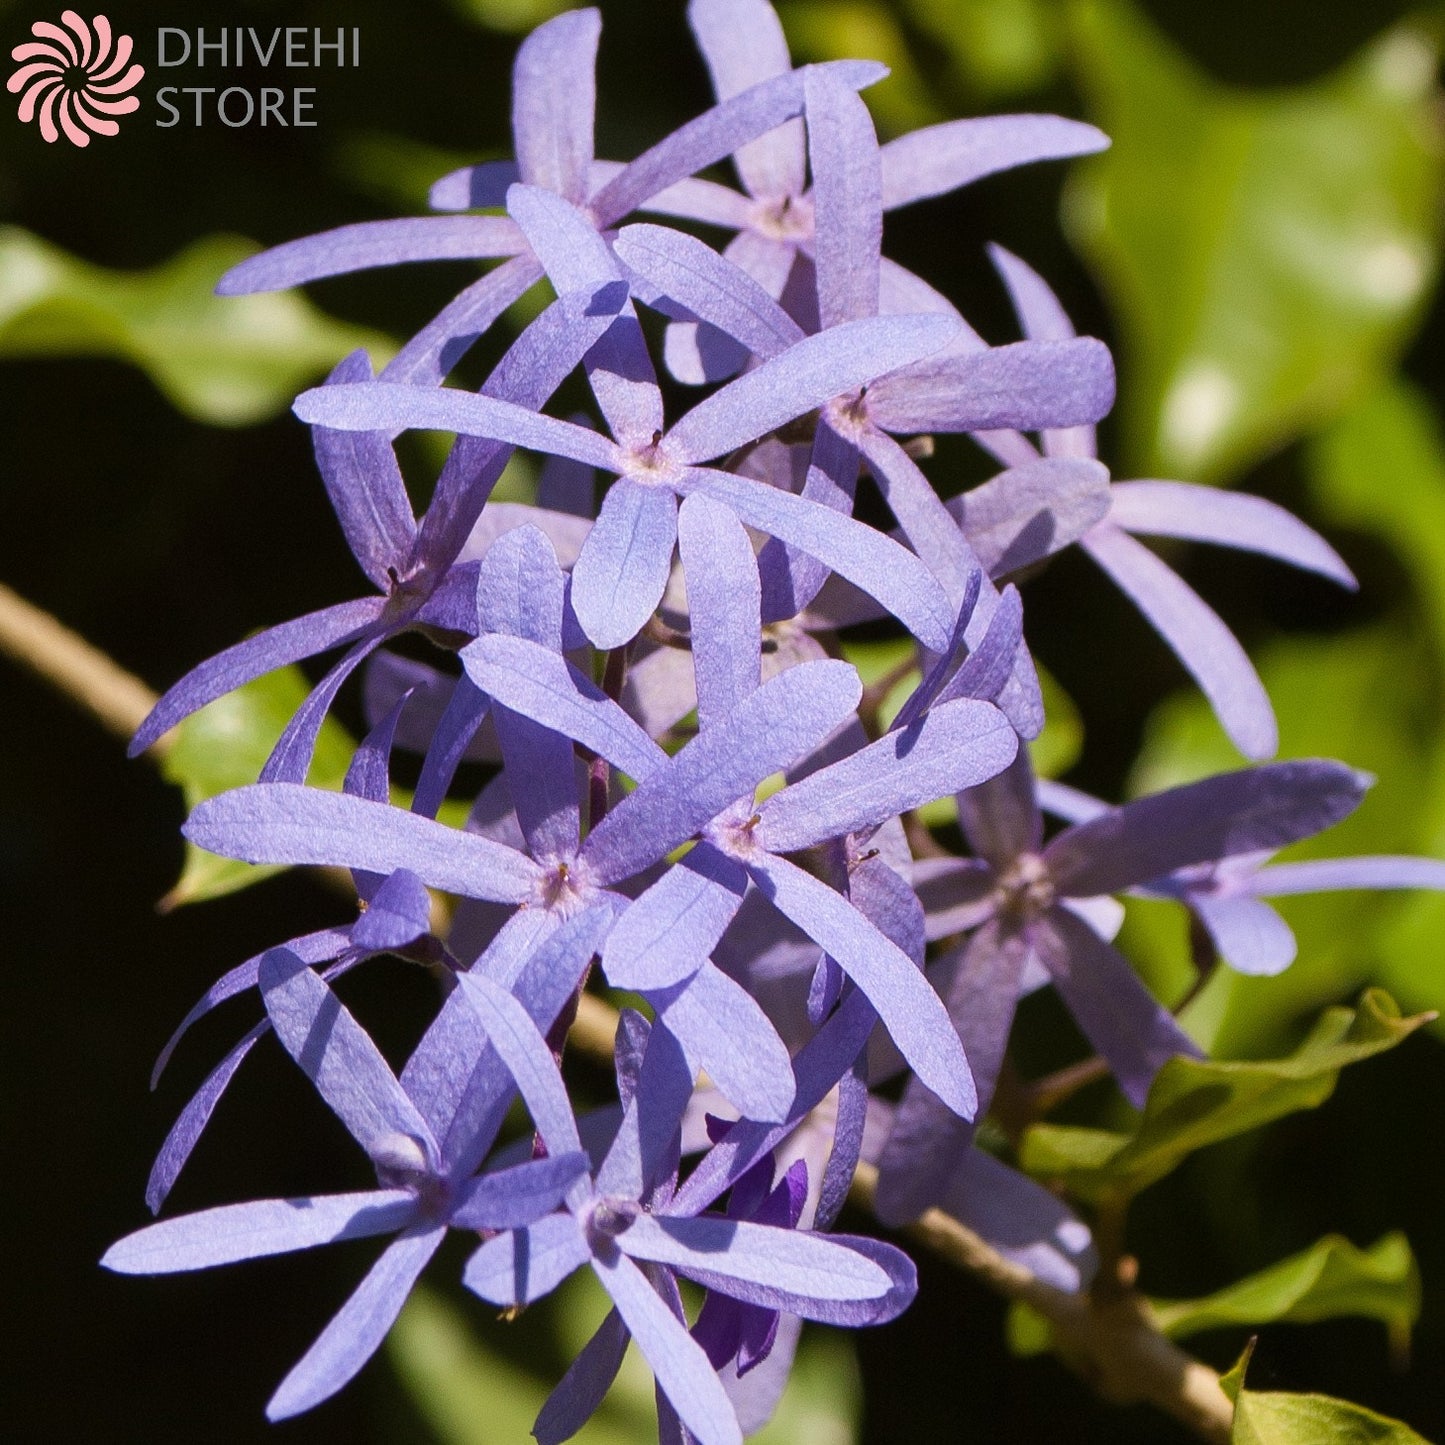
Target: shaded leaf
[
  {"x": 1330, "y": 1279},
  {"x": 1195, "y": 1102},
  {"x": 227, "y": 361},
  {"x": 1299, "y": 241}
]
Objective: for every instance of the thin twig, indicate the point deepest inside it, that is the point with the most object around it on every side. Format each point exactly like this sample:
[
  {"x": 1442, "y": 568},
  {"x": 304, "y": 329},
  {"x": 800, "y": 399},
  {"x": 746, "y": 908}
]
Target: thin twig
[{"x": 1106, "y": 1336}]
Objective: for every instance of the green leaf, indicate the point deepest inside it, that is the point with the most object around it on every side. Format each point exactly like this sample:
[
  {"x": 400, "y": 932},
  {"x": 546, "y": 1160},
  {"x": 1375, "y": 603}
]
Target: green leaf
[
  {"x": 470, "y": 1395},
  {"x": 1059, "y": 746},
  {"x": 1330, "y": 1279},
  {"x": 1266, "y": 1417},
  {"x": 1290, "y": 265},
  {"x": 224, "y": 360},
  {"x": 1197, "y": 1102},
  {"x": 995, "y": 48},
  {"x": 225, "y": 745}
]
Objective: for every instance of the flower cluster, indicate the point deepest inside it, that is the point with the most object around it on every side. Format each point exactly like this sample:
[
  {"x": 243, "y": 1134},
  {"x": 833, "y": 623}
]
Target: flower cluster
[{"x": 689, "y": 786}]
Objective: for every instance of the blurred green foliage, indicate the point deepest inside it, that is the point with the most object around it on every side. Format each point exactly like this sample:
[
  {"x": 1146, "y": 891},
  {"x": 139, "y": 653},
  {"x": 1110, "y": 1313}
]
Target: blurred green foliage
[{"x": 227, "y": 361}]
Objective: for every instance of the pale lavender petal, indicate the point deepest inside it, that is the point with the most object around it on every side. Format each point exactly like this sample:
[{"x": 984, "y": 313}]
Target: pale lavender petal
[
  {"x": 925, "y": 521},
  {"x": 338, "y": 1056},
  {"x": 474, "y": 188},
  {"x": 1250, "y": 936},
  {"x": 357, "y": 1330},
  {"x": 707, "y": 286},
  {"x": 1325, "y": 874},
  {"x": 682, "y": 1370},
  {"x": 516, "y": 1038},
  {"x": 435, "y": 350},
  {"x": 956, "y": 893},
  {"x": 542, "y": 685},
  {"x": 901, "y": 293},
  {"x": 516, "y": 1197},
  {"x": 265, "y": 652},
  {"x": 398, "y": 913},
  {"x": 695, "y": 199},
  {"x": 1123, "y": 1021},
  {"x": 524, "y": 1264},
  {"x": 1073, "y": 805},
  {"x": 913, "y": 1013},
  {"x": 1242, "y": 812},
  {"x": 369, "y": 405},
  {"x": 987, "y": 670},
  {"x": 781, "y": 723},
  {"x": 565, "y": 489},
  {"x": 660, "y": 690},
  {"x": 1023, "y": 1221},
  {"x": 941, "y": 158},
  {"x": 648, "y": 1137},
  {"x": 806, "y": 1274},
  {"x": 365, "y": 485},
  {"x": 288, "y": 823},
  {"x": 1000, "y": 819},
  {"x": 867, "y": 558},
  {"x": 847, "y": 200},
  {"x": 1026, "y": 384},
  {"x": 724, "y": 600},
  {"x": 290, "y": 759},
  {"x": 1032, "y": 511},
  {"x": 927, "y": 1139},
  {"x": 672, "y": 928},
  {"x": 742, "y": 42},
  {"x": 1199, "y": 639},
  {"x": 554, "y": 95},
  {"x": 440, "y": 1066},
  {"x": 1230, "y": 519},
  {"x": 368, "y": 775},
  {"x": 248, "y": 1231},
  {"x": 847, "y": 1144},
  {"x": 580, "y": 1392},
  {"x": 725, "y": 1033},
  {"x": 391, "y": 680},
  {"x": 623, "y": 568},
  {"x": 954, "y": 746},
  {"x": 373, "y": 243},
  {"x": 807, "y": 374},
  {"x": 792, "y": 579},
  {"x": 755, "y": 1395},
  {"x": 568, "y": 245},
  {"x": 716, "y": 133}
]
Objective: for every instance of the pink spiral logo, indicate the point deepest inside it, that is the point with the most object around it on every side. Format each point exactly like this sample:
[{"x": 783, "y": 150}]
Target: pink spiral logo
[{"x": 74, "y": 77}]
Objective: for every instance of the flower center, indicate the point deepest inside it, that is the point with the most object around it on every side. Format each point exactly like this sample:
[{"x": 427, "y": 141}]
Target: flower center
[
  {"x": 1025, "y": 890},
  {"x": 789, "y": 218},
  {"x": 651, "y": 463},
  {"x": 610, "y": 1217}
]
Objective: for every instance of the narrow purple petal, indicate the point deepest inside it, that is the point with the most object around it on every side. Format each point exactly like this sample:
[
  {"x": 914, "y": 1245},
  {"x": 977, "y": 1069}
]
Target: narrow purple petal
[
  {"x": 580, "y": 1392},
  {"x": 725, "y": 1033},
  {"x": 622, "y": 571},
  {"x": 695, "y": 199},
  {"x": 646, "y": 1145},
  {"x": 248, "y": 1231},
  {"x": 672, "y": 928},
  {"x": 742, "y": 42},
  {"x": 1133, "y": 1032},
  {"x": 956, "y": 745},
  {"x": 357, "y": 1330},
  {"x": 781, "y": 723},
  {"x": 373, "y": 243},
  {"x": 1230, "y": 519},
  {"x": 1325, "y": 874},
  {"x": 516, "y": 1197},
  {"x": 464, "y": 713},
  {"x": 1250, "y": 936},
  {"x": 554, "y": 95},
  {"x": 398, "y": 913},
  {"x": 847, "y": 200},
  {"x": 1000, "y": 819},
  {"x": 524, "y": 1264},
  {"x": 288, "y": 823},
  {"x": 868, "y": 559},
  {"x": 1032, "y": 511},
  {"x": 807, "y": 374},
  {"x": 1199, "y": 639},
  {"x": 914, "y": 1015},
  {"x": 677, "y": 1360},
  {"x": 542, "y": 685},
  {"x": 724, "y": 600},
  {"x": 941, "y": 158},
  {"x": 987, "y": 670},
  {"x": 290, "y": 759},
  {"x": 1248, "y": 811},
  {"x": 366, "y": 488},
  {"x": 265, "y": 652},
  {"x": 1026, "y": 384},
  {"x": 516, "y": 1038},
  {"x": 1039, "y": 311},
  {"x": 956, "y": 894},
  {"x": 474, "y": 188},
  {"x": 338, "y": 1055}
]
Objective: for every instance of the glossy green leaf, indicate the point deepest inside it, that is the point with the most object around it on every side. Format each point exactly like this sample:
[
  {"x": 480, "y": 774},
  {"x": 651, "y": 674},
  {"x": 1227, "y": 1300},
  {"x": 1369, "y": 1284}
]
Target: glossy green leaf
[
  {"x": 224, "y": 360},
  {"x": 1198, "y": 1102},
  {"x": 225, "y": 745},
  {"x": 1267, "y": 1417},
  {"x": 1330, "y": 1279},
  {"x": 1299, "y": 240}
]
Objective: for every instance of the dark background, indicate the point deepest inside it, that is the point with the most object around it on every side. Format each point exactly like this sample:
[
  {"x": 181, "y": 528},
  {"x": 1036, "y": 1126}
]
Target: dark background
[{"x": 164, "y": 540}]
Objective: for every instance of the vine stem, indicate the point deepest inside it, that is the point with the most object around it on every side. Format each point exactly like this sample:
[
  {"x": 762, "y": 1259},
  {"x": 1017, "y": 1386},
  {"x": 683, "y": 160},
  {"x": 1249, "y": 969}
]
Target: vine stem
[{"x": 1108, "y": 1336}]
